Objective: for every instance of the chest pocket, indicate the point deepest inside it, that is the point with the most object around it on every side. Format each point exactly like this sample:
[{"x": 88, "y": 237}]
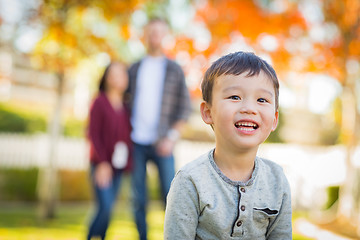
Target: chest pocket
[{"x": 263, "y": 217}]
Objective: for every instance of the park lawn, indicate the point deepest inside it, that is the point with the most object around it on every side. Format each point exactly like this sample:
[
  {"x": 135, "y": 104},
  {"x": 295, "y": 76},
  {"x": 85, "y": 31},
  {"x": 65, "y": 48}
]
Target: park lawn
[{"x": 19, "y": 221}]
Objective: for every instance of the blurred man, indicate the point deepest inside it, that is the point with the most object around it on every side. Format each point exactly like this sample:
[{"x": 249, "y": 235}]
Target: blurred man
[{"x": 160, "y": 105}]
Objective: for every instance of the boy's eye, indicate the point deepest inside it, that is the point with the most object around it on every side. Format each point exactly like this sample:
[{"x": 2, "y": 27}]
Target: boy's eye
[
  {"x": 234, "y": 97},
  {"x": 262, "y": 100}
]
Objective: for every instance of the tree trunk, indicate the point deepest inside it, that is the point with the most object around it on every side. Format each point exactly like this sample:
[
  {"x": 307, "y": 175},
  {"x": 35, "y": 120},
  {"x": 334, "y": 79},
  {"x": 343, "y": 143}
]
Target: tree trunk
[
  {"x": 349, "y": 197},
  {"x": 48, "y": 179}
]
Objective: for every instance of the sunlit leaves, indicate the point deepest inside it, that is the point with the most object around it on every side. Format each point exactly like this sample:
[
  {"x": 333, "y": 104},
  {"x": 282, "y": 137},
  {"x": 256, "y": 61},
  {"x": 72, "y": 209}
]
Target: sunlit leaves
[
  {"x": 261, "y": 29},
  {"x": 76, "y": 30},
  {"x": 344, "y": 15}
]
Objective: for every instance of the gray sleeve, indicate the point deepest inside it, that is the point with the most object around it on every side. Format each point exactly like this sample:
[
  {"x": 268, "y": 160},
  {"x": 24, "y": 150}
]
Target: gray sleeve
[
  {"x": 281, "y": 227},
  {"x": 182, "y": 209}
]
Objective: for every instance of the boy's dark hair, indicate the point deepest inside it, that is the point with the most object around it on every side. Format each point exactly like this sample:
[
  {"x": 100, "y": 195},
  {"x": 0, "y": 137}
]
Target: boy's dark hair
[{"x": 236, "y": 64}]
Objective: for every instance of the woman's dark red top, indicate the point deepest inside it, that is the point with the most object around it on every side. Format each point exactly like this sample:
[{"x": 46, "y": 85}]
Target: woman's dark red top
[{"x": 107, "y": 126}]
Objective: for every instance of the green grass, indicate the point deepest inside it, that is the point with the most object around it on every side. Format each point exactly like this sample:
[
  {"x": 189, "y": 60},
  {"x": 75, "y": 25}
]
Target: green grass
[{"x": 19, "y": 222}]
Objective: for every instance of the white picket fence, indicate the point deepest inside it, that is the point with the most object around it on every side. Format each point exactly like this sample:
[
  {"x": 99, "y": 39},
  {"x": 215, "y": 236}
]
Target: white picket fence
[
  {"x": 25, "y": 151},
  {"x": 309, "y": 169}
]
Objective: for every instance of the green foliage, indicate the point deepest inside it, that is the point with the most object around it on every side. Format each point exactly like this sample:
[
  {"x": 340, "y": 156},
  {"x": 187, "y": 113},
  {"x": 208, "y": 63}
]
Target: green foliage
[
  {"x": 74, "y": 185},
  {"x": 74, "y": 128},
  {"x": 153, "y": 185},
  {"x": 333, "y": 195},
  {"x": 11, "y": 122},
  {"x": 20, "y": 121},
  {"x": 16, "y": 120},
  {"x": 18, "y": 184},
  {"x": 330, "y": 136},
  {"x": 275, "y": 136}
]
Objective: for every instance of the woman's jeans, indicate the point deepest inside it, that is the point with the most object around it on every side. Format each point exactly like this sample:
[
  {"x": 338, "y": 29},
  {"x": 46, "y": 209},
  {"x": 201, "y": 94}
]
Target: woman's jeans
[
  {"x": 166, "y": 169},
  {"x": 105, "y": 198}
]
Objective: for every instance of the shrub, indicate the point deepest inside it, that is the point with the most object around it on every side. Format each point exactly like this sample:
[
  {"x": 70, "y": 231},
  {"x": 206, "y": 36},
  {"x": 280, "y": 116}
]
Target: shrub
[
  {"x": 275, "y": 136},
  {"x": 13, "y": 119},
  {"x": 16, "y": 120},
  {"x": 18, "y": 184},
  {"x": 21, "y": 185},
  {"x": 11, "y": 122},
  {"x": 74, "y": 185},
  {"x": 332, "y": 196},
  {"x": 74, "y": 128}
]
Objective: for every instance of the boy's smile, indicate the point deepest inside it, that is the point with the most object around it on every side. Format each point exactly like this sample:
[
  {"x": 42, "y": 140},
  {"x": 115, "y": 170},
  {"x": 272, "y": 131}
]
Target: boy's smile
[
  {"x": 246, "y": 126},
  {"x": 242, "y": 111}
]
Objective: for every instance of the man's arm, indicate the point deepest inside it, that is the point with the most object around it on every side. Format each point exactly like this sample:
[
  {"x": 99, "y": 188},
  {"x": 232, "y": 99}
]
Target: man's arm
[
  {"x": 166, "y": 145},
  {"x": 184, "y": 101},
  {"x": 183, "y": 109}
]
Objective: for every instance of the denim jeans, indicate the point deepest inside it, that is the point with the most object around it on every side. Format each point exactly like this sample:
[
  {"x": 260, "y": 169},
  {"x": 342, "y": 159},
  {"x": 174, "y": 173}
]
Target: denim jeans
[
  {"x": 166, "y": 169},
  {"x": 105, "y": 198}
]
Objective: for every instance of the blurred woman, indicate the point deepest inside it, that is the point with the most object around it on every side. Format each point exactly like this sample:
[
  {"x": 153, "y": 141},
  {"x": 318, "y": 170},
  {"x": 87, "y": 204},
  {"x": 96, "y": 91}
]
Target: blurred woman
[{"x": 110, "y": 144}]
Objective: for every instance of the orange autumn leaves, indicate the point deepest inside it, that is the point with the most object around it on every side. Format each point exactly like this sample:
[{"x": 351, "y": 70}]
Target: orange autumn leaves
[
  {"x": 78, "y": 29},
  {"x": 75, "y": 30},
  {"x": 224, "y": 19},
  {"x": 296, "y": 50},
  {"x": 345, "y": 18}
]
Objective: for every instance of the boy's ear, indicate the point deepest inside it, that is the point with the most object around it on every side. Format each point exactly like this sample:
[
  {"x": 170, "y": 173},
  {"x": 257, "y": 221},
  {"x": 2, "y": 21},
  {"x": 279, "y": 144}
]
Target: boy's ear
[
  {"x": 276, "y": 121},
  {"x": 206, "y": 113}
]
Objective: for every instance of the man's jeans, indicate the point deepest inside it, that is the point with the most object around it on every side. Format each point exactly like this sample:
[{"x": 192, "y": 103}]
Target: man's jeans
[
  {"x": 166, "y": 168},
  {"x": 105, "y": 198}
]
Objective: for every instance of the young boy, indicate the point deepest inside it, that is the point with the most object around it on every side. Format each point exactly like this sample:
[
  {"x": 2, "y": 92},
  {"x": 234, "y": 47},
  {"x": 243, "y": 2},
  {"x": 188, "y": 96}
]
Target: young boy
[{"x": 230, "y": 193}]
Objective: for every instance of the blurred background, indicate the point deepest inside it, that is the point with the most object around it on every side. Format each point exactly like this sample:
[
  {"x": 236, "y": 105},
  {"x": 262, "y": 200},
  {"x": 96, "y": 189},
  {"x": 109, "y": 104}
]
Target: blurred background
[{"x": 52, "y": 53}]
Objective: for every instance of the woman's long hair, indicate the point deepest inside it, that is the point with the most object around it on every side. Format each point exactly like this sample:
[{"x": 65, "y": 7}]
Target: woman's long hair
[{"x": 103, "y": 79}]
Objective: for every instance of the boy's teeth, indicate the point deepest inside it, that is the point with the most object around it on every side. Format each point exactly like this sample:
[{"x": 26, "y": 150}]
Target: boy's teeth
[
  {"x": 247, "y": 129},
  {"x": 246, "y": 124}
]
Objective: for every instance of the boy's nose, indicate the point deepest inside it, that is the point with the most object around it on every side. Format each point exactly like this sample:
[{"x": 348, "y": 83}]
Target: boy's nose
[{"x": 247, "y": 108}]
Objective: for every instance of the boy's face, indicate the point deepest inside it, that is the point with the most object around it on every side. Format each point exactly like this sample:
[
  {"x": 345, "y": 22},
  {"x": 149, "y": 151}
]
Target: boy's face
[{"x": 242, "y": 111}]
